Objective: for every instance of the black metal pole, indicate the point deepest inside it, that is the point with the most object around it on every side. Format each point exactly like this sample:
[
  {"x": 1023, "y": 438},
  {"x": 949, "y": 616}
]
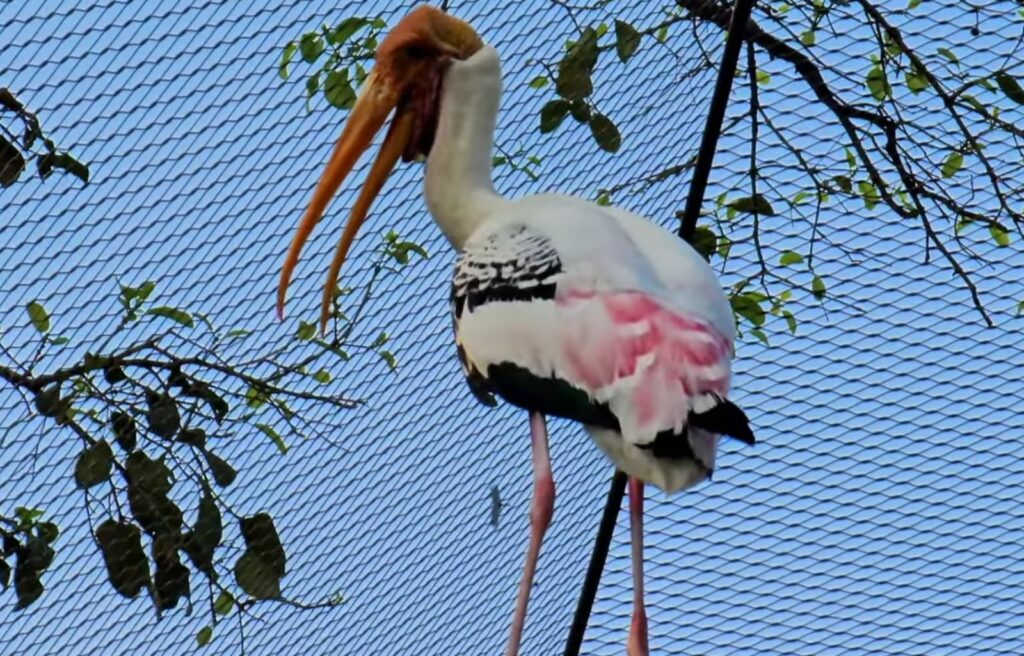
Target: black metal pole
[
  {"x": 597, "y": 559},
  {"x": 716, "y": 114},
  {"x": 691, "y": 212}
]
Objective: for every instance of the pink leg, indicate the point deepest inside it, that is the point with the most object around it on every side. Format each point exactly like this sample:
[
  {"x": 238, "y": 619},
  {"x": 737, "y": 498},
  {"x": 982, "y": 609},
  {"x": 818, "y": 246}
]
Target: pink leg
[
  {"x": 637, "y": 644},
  {"x": 541, "y": 509}
]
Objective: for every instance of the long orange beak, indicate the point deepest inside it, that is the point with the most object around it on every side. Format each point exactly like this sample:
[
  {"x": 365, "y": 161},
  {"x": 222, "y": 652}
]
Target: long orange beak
[
  {"x": 388, "y": 86},
  {"x": 368, "y": 116}
]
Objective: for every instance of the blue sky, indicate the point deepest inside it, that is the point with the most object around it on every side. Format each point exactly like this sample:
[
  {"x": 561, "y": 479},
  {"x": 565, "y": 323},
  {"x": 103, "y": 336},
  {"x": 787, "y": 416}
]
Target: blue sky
[{"x": 878, "y": 513}]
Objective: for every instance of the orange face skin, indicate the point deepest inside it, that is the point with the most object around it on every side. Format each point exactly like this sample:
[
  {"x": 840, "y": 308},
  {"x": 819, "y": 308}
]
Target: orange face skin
[{"x": 406, "y": 78}]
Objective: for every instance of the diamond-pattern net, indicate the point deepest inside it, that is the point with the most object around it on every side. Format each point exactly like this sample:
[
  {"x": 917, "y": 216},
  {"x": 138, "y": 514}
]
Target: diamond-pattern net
[{"x": 878, "y": 514}]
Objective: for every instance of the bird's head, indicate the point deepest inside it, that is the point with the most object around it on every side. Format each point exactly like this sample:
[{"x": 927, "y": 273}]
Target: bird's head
[{"x": 406, "y": 81}]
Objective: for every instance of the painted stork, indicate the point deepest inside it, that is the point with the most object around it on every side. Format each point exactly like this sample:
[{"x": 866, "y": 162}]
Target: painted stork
[{"x": 561, "y": 307}]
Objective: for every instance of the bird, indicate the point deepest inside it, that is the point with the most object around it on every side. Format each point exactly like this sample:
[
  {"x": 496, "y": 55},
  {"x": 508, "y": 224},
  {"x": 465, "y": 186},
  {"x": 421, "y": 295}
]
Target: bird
[{"x": 561, "y": 307}]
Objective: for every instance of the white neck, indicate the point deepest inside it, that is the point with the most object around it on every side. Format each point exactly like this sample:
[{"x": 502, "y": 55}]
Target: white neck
[{"x": 459, "y": 190}]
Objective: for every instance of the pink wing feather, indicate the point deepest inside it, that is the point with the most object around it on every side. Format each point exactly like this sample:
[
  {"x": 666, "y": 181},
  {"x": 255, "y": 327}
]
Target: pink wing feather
[{"x": 647, "y": 361}]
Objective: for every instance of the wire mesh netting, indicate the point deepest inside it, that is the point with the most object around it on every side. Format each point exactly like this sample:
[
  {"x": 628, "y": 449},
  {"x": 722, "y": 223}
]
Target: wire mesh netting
[{"x": 878, "y": 512}]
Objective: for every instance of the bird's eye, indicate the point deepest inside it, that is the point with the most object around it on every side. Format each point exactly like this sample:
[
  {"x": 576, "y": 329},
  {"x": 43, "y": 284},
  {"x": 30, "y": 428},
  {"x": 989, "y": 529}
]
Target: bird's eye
[{"x": 417, "y": 52}]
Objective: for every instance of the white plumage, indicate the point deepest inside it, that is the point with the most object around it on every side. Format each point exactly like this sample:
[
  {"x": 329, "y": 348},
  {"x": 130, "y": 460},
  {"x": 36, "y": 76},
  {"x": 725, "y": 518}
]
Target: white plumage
[
  {"x": 602, "y": 254},
  {"x": 560, "y": 306}
]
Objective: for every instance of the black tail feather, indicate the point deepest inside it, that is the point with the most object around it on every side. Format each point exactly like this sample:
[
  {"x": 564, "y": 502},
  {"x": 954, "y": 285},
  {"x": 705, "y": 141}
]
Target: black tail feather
[{"x": 724, "y": 418}]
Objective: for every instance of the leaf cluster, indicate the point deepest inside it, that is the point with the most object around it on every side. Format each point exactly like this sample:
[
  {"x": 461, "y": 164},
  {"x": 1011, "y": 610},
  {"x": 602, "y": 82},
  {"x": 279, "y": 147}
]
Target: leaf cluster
[
  {"x": 18, "y": 144},
  {"x": 336, "y": 56}
]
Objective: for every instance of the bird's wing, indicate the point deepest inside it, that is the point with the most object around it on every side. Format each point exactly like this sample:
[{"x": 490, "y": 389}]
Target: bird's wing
[{"x": 557, "y": 310}]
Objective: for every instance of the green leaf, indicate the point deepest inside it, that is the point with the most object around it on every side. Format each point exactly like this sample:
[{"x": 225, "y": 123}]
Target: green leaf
[
  {"x": 627, "y": 40},
  {"x": 171, "y": 578},
  {"x": 269, "y": 431},
  {"x": 261, "y": 538},
  {"x": 174, "y": 314},
  {"x": 114, "y": 374},
  {"x": 306, "y": 331},
  {"x": 12, "y": 162},
  {"x": 146, "y": 472},
  {"x": 48, "y": 531},
  {"x": 162, "y": 415},
  {"x": 851, "y": 159},
  {"x": 948, "y": 54},
  {"x": 223, "y": 473},
  {"x": 208, "y": 528},
  {"x": 192, "y": 436},
  {"x": 749, "y": 307},
  {"x": 552, "y": 114},
  {"x": 204, "y": 636},
  {"x": 974, "y": 103},
  {"x": 917, "y": 81},
  {"x": 705, "y": 242},
  {"x": 125, "y": 432},
  {"x": 54, "y": 160},
  {"x": 322, "y": 376},
  {"x": 27, "y": 586},
  {"x": 808, "y": 38},
  {"x": 818, "y": 287},
  {"x": 27, "y": 516},
  {"x": 121, "y": 546},
  {"x": 662, "y": 34},
  {"x": 953, "y": 163},
  {"x": 604, "y": 199},
  {"x": 311, "y": 46},
  {"x": 580, "y": 111},
  {"x": 764, "y": 78},
  {"x": 913, "y": 4},
  {"x": 844, "y": 183},
  {"x": 790, "y": 320},
  {"x": 539, "y": 82},
  {"x": 756, "y": 204},
  {"x": 877, "y": 84},
  {"x": 724, "y": 246},
  {"x": 790, "y": 257},
  {"x": 338, "y": 89},
  {"x": 1010, "y": 87},
  {"x": 400, "y": 251},
  {"x": 39, "y": 317},
  {"x": 286, "y": 58},
  {"x": 346, "y": 28},
  {"x": 93, "y": 465},
  {"x": 312, "y": 85},
  {"x": 1000, "y": 235},
  {"x": 605, "y": 133},
  {"x": 573, "y": 79},
  {"x": 238, "y": 332},
  {"x": 759, "y": 334},
  {"x": 255, "y": 397},
  {"x": 206, "y": 534},
  {"x": 148, "y": 485},
  {"x": 224, "y": 604},
  {"x": 256, "y": 578},
  {"x": 48, "y": 401},
  {"x": 389, "y": 358},
  {"x": 868, "y": 193}
]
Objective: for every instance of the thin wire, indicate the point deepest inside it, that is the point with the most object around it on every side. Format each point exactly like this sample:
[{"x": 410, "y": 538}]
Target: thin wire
[{"x": 687, "y": 228}]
